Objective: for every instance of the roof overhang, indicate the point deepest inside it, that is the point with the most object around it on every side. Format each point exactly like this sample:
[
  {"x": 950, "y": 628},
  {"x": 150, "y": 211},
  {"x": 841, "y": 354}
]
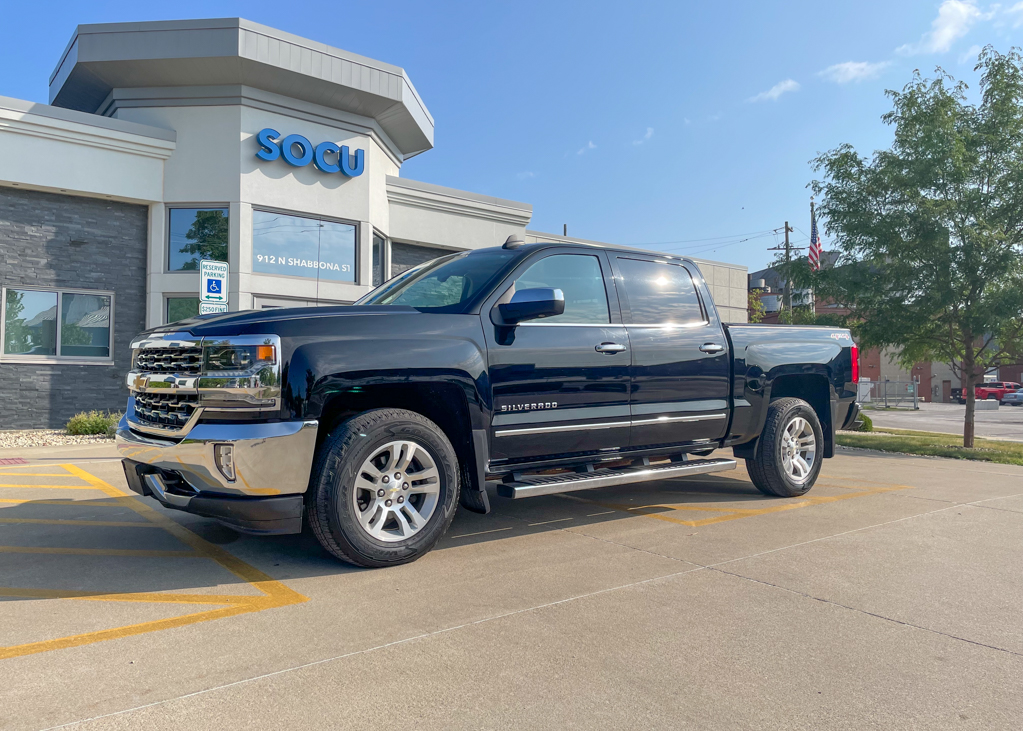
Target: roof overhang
[{"x": 103, "y": 57}]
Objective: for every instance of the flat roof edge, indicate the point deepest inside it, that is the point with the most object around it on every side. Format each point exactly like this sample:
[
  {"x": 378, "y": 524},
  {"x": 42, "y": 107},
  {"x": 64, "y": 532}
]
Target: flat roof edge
[
  {"x": 394, "y": 181},
  {"x": 93, "y": 120}
]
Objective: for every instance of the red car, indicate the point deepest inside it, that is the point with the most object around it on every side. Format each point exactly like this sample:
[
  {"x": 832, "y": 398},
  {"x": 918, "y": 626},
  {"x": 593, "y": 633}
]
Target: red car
[{"x": 995, "y": 389}]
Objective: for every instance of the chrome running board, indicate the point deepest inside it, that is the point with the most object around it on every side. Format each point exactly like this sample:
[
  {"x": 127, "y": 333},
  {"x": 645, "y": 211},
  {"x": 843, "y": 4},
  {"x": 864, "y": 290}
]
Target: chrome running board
[{"x": 533, "y": 485}]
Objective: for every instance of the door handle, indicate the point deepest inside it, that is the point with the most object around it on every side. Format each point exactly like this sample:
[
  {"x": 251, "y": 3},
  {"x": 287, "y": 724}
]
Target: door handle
[
  {"x": 712, "y": 348},
  {"x": 610, "y": 348}
]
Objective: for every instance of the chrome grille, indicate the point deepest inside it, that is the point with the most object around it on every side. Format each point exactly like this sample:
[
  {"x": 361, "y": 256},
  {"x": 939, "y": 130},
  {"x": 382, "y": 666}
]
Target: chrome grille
[
  {"x": 187, "y": 361},
  {"x": 165, "y": 409}
]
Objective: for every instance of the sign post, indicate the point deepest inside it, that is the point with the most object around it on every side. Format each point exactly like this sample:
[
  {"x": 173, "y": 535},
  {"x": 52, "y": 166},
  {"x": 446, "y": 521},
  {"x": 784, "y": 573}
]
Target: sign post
[{"x": 212, "y": 287}]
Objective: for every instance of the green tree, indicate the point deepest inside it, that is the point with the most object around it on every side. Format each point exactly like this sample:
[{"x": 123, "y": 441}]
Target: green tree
[
  {"x": 207, "y": 238},
  {"x": 755, "y": 310},
  {"x": 930, "y": 231}
]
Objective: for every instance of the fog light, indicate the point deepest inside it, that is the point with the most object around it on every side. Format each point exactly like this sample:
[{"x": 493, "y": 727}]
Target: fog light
[{"x": 224, "y": 456}]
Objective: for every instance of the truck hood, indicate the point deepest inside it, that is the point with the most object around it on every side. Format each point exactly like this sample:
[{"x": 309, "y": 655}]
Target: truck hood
[{"x": 249, "y": 321}]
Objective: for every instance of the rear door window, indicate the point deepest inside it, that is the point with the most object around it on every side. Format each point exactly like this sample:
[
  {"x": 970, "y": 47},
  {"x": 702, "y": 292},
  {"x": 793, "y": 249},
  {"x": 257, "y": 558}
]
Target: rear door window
[{"x": 659, "y": 293}]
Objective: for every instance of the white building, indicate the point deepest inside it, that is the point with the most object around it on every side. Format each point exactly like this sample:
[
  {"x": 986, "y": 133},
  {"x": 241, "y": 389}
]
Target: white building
[{"x": 168, "y": 142}]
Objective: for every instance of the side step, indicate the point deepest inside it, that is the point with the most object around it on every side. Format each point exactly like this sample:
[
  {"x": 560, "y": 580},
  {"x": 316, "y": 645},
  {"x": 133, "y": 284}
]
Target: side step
[{"x": 551, "y": 484}]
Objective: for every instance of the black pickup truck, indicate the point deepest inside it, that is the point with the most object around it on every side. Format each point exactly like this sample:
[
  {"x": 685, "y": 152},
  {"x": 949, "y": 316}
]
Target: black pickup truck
[{"x": 530, "y": 368}]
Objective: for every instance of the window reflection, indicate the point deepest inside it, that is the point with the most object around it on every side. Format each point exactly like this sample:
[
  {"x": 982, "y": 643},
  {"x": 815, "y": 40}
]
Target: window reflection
[
  {"x": 659, "y": 293},
  {"x": 85, "y": 325},
  {"x": 30, "y": 322},
  {"x": 196, "y": 234}
]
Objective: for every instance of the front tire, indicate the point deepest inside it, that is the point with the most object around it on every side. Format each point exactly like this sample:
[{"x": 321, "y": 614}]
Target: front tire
[
  {"x": 788, "y": 456},
  {"x": 384, "y": 488}
]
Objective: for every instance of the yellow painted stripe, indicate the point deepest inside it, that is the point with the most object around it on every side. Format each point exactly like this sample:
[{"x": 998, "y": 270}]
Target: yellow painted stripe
[
  {"x": 48, "y": 501},
  {"x": 235, "y": 565},
  {"x": 136, "y": 597},
  {"x": 112, "y": 634},
  {"x": 656, "y": 511},
  {"x": 33, "y": 474},
  {"x": 99, "y": 552},
  {"x": 106, "y": 523},
  {"x": 48, "y": 487},
  {"x": 275, "y": 594}
]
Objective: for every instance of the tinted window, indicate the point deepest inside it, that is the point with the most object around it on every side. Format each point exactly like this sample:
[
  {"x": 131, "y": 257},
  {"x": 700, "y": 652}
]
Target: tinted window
[
  {"x": 659, "y": 293},
  {"x": 579, "y": 277},
  {"x": 182, "y": 308},
  {"x": 443, "y": 285},
  {"x": 302, "y": 247},
  {"x": 30, "y": 322},
  {"x": 85, "y": 325},
  {"x": 196, "y": 234}
]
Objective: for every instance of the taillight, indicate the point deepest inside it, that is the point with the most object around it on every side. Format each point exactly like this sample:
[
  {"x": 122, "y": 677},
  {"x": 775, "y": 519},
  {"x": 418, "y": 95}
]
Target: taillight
[{"x": 855, "y": 363}]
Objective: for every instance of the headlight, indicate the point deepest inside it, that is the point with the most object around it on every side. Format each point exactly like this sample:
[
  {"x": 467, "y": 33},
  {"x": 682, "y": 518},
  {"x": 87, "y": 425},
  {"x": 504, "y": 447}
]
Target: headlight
[{"x": 234, "y": 358}]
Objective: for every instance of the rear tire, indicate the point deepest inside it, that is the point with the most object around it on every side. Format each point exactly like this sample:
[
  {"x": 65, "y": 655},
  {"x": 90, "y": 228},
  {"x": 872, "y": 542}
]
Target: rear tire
[
  {"x": 384, "y": 488},
  {"x": 788, "y": 455}
]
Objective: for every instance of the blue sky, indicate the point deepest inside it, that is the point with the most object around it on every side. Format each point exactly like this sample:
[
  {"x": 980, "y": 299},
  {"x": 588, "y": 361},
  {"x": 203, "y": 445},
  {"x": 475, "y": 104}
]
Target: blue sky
[{"x": 679, "y": 126}]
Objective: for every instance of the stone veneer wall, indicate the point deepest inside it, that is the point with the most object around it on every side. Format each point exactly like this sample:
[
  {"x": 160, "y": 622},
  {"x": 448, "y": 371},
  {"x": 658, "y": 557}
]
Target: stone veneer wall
[{"x": 36, "y": 231}]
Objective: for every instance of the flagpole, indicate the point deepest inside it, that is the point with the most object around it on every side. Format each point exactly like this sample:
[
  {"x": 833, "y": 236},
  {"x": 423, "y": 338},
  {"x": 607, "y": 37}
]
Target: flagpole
[{"x": 813, "y": 224}]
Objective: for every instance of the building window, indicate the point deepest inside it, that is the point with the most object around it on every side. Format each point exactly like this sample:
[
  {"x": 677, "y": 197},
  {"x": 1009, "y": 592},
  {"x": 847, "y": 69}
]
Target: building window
[
  {"x": 57, "y": 324},
  {"x": 406, "y": 256},
  {"x": 182, "y": 308},
  {"x": 378, "y": 260},
  {"x": 303, "y": 247},
  {"x": 196, "y": 234}
]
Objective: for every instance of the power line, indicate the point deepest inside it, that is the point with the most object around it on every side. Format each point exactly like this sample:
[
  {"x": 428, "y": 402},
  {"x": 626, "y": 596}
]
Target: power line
[{"x": 710, "y": 238}]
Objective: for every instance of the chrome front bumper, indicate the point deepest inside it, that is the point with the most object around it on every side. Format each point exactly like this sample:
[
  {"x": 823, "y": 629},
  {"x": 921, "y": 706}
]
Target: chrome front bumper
[{"x": 270, "y": 459}]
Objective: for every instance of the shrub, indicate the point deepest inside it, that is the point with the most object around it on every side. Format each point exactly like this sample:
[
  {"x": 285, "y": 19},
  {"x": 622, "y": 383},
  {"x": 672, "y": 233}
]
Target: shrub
[
  {"x": 863, "y": 423},
  {"x": 92, "y": 422}
]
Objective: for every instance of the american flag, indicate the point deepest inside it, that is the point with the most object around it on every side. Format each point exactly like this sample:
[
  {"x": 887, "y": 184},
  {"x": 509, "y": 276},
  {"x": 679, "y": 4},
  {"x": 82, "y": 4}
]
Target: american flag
[{"x": 816, "y": 249}]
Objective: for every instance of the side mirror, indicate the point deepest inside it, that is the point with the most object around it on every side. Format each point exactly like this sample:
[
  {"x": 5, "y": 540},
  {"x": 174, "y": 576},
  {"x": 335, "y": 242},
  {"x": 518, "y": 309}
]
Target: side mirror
[{"x": 532, "y": 304}]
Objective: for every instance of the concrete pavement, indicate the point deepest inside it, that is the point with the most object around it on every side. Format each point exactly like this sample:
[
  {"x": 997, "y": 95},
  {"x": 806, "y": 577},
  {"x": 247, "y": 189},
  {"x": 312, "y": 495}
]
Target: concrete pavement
[{"x": 888, "y": 597}]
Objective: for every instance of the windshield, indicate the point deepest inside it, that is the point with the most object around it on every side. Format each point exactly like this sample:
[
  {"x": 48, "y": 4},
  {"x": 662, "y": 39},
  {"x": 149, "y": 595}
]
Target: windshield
[{"x": 447, "y": 284}]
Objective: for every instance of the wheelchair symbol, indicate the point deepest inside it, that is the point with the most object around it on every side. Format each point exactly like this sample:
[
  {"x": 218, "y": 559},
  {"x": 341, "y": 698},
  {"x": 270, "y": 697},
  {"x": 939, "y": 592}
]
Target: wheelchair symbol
[{"x": 213, "y": 286}]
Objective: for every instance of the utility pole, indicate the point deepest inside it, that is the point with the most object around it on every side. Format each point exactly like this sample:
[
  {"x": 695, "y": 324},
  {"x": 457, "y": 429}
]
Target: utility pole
[
  {"x": 788, "y": 262},
  {"x": 786, "y": 301}
]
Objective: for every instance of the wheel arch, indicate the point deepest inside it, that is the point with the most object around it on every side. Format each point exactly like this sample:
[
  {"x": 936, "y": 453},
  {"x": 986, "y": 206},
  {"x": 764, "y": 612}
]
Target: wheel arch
[{"x": 445, "y": 403}]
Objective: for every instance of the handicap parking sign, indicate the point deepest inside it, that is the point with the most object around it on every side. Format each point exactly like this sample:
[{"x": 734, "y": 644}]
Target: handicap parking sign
[{"x": 213, "y": 281}]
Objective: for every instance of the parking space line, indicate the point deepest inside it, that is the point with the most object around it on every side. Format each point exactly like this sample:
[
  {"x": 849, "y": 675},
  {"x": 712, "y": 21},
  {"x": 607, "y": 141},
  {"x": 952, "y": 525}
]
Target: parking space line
[
  {"x": 47, "y": 487},
  {"x": 105, "y": 523},
  {"x": 31, "y": 474},
  {"x": 134, "y": 597},
  {"x": 137, "y": 552},
  {"x": 76, "y": 503},
  {"x": 653, "y": 511},
  {"x": 273, "y": 594}
]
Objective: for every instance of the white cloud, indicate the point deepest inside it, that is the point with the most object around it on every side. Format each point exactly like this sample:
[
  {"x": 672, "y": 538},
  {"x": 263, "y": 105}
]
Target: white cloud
[
  {"x": 776, "y": 91},
  {"x": 589, "y": 146},
  {"x": 526, "y": 175},
  {"x": 970, "y": 54},
  {"x": 850, "y": 71},
  {"x": 955, "y": 18},
  {"x": 1015, "y": 14},
  {"x": 647, "y": 136}
]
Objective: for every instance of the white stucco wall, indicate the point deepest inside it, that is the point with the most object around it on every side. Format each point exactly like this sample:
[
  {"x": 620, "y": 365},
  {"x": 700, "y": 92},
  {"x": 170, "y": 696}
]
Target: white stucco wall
[{"x": 66, "y": 151}]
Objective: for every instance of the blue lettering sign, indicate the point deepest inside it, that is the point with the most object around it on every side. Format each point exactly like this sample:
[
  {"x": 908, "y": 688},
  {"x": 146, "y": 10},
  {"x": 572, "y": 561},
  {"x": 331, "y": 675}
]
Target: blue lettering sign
[{"x": 299, "y": 151}]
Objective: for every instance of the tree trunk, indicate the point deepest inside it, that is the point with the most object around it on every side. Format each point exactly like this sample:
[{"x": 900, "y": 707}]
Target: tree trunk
[{"x": 969, "y": 366}]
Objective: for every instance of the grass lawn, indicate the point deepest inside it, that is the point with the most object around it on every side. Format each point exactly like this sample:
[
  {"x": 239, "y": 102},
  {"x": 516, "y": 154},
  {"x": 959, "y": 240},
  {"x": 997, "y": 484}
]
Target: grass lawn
[{"x": 934, "y": 445}]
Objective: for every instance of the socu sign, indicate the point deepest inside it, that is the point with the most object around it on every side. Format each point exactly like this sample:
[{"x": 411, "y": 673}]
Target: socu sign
[{"x": 299, "y": 151}]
